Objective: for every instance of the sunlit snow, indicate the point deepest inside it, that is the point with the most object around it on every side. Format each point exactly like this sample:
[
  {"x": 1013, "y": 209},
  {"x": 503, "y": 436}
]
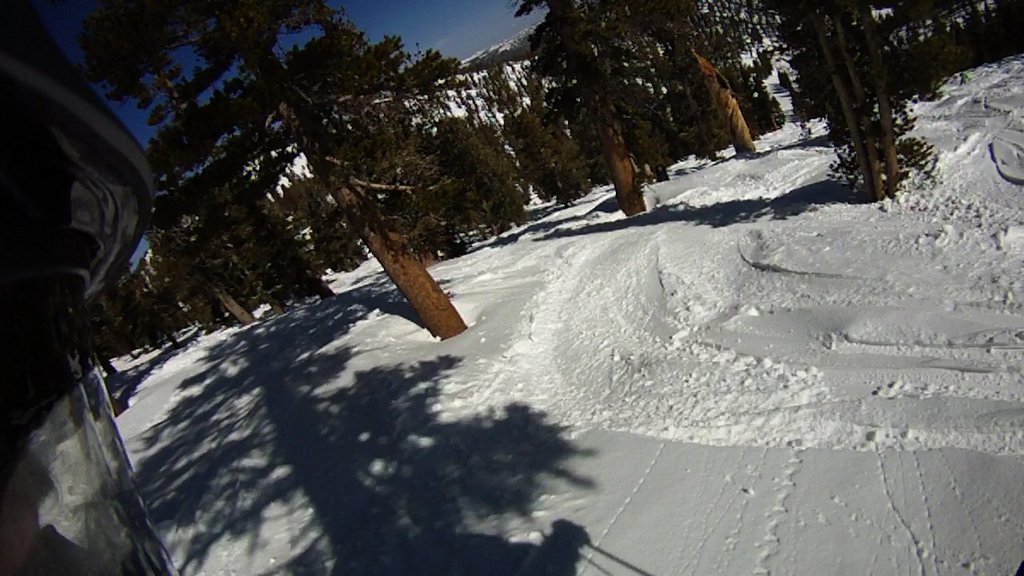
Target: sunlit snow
[{"x": 759, "y": 376}]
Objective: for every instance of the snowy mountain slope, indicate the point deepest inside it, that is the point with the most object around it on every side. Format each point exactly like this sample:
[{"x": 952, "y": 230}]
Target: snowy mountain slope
[
  {"x": 758, "y": 376},
  {"x": 515, "y": 49}
]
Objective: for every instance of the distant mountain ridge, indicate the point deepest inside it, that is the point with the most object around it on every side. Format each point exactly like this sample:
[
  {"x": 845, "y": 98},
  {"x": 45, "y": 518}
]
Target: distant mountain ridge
[{"x": 515, "y": 49}]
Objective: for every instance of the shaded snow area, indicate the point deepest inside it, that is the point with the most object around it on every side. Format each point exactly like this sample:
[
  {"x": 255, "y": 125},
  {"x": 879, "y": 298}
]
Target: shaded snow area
[{"x": 759, "y": 376}]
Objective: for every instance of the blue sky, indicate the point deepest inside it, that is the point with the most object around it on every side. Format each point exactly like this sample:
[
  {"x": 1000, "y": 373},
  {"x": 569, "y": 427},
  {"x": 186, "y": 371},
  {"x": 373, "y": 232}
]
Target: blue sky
[{"x": 455, "y": 27}]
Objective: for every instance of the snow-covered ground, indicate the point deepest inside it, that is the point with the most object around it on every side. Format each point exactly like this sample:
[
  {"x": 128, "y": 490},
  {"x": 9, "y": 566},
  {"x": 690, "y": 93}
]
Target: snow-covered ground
[{"x": 756, "y": 377}]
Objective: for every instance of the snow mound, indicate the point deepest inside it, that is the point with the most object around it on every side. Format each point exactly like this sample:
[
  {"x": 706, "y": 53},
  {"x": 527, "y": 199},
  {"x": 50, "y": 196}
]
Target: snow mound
[{"x": 1008, "y": 154}]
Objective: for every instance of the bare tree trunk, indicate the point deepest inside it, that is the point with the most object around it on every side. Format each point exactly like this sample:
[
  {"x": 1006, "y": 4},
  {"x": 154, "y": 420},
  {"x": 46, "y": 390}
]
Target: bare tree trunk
[
  {"x": 866, "y": 121},
  {"x": 389, "y": 247},
  {"x": 728, "y": 107},
  {"x": 892, "y": 166},
  {"x": 243, "y": 316},
  {"x": 431, "y": 304},
  {"x": 843, "y": 93},
  {"x": 620, "y": 168}
]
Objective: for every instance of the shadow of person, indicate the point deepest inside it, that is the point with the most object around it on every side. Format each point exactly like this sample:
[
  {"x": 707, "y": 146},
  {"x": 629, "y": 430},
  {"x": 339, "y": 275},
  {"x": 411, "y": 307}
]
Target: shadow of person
[{"x": 559, "y": 553}]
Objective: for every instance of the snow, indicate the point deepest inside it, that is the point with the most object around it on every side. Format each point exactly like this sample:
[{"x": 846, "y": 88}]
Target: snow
[
  {"x": 759, "y": 376},
  {"x": 515, "y": 48},
  {"x": 1008, "y": 155}
]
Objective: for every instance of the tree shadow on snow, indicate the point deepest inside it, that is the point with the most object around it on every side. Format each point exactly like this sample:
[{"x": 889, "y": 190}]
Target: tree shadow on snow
[
  {"x": 272, "y": 431},
  {"x": 123, "y": 385},
  {"x": 806, "y": 144},
  {"x": 328, "y": 319},
  {"x": 537, "y": 227},
  {"x": 793, "y": 203}
]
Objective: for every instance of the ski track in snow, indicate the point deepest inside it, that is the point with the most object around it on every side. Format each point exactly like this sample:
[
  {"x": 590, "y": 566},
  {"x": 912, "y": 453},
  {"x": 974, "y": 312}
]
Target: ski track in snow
[
  {"x": 845, "y": 368},
  {"x": 626, "y": 503}
]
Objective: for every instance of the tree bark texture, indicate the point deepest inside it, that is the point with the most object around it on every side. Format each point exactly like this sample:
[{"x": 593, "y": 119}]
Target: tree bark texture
[
  {"x": 243, "y": 316},
  {"x": 864, "y": 111},
  {"x": 728, "y": 108},
  {"x": 621, "y": 169},
  {"x": 892, "y": 162},
  {"x": 430, "y": 303},
  {"x": 845, "y": 101}
]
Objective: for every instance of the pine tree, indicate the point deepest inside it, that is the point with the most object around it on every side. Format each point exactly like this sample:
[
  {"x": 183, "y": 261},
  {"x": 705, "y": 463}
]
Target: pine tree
[
  {"x": 548, "y": 158},
  {"x": 845, "y": 66},
  {"x": 332, "y": 243},
  {"x": 673, "y": 45},
  {"x": 250, "y": 106},
  {"x": 472, "y": 189},
  {"x": 570, "y": 46}
]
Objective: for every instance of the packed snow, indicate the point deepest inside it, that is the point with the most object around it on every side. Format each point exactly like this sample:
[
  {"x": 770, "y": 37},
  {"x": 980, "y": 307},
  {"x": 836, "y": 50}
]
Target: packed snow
[{"x": 759, "y": 376}]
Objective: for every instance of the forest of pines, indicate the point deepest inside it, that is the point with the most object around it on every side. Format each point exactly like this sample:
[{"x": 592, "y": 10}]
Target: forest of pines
[{"x": 279, "y": 160}]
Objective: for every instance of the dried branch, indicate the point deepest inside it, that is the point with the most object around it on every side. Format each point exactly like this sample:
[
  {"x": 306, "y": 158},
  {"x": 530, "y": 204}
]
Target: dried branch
[{"x": 356, "y": 182}]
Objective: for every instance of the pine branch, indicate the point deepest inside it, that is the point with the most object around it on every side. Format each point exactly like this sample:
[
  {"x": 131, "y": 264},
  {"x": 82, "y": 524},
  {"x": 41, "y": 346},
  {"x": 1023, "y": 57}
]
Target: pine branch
[{"x": 356, "y": 182}]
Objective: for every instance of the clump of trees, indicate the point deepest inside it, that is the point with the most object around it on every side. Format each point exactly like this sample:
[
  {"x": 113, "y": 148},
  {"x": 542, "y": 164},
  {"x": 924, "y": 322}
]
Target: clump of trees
[
  {"x": 251, "y": 105},
  {"x": 861, "y": 64},
  {"x": 630, "y": 76},
  {"x": 845, "y": 66}
]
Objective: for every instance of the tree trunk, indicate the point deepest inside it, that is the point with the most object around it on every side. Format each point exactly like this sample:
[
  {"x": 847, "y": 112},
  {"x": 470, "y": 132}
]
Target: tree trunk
[
  {"x": 108, "y": 367},
  {"x": 892, "y": 166},
  {"x": 320, "y": 287},
  {"x": 843, "y": 93},
  {"x": 617, "y": 159},
  {"x": 866, "y": 120},
  {"x": 276, "y": 307},
  {"x": 728, "y": 107},
  {"x": 430, "y": 303},
  {"x": 243, "y": 316},
  {"x": 620, "y": 168}
]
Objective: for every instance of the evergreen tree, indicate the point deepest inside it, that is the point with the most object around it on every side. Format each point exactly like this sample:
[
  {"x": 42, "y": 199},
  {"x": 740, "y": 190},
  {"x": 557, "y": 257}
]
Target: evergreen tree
[
  {"x": 845, "y": 67},
  {"x": 549, "y": 160},
  {"x": 481, "y": 189},
  {"x": 332, "y": 245},
  {"x": 133, "y": 313},
  {"x": 576, "y": 51},
  {"x": 687, "y": 105},
  {"x": 473, "y": 189},
  {"x": 250, "y": 106}
]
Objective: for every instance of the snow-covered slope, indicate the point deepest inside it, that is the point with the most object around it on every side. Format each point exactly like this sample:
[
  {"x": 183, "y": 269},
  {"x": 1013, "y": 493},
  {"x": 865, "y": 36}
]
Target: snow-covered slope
[
  {"x": 757, "y": 376},
  {"x": 514, "y": 49}
]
